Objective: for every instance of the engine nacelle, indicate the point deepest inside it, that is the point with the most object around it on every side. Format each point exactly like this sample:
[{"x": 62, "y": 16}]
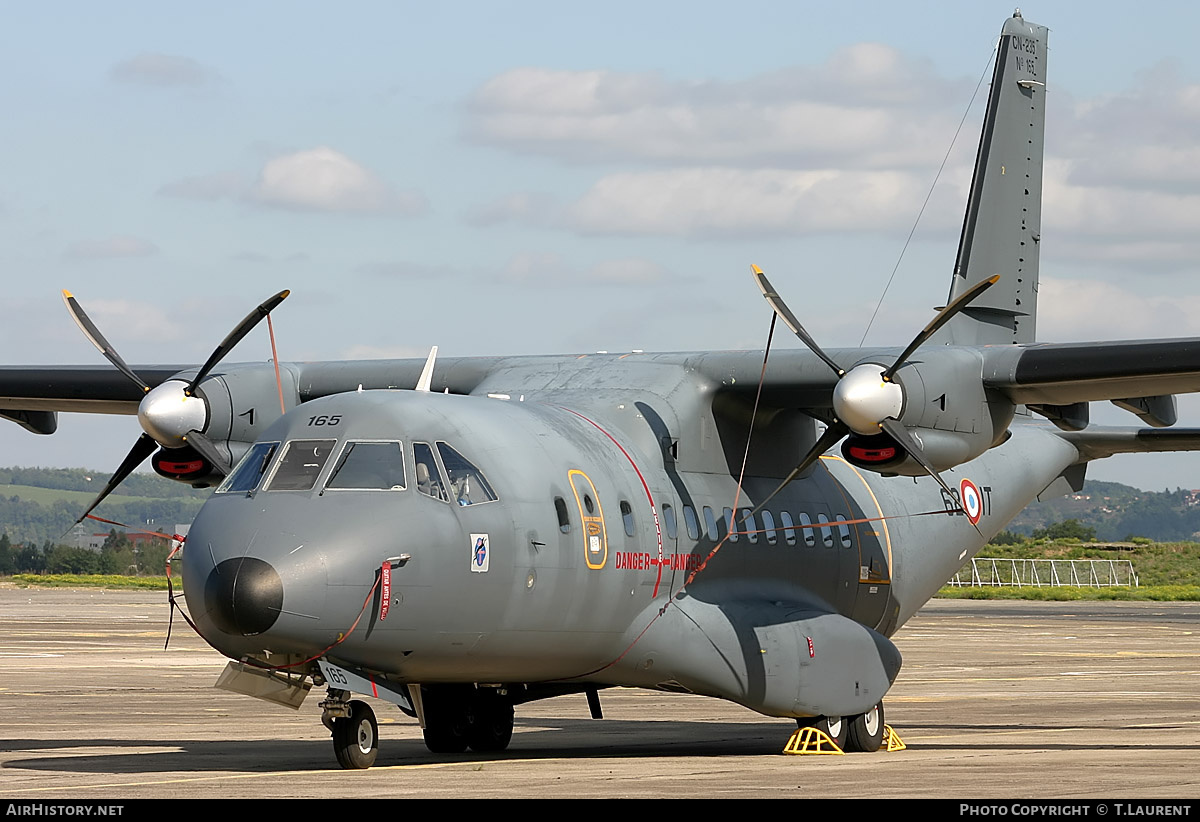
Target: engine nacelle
[{"x": 946, "y": 408}]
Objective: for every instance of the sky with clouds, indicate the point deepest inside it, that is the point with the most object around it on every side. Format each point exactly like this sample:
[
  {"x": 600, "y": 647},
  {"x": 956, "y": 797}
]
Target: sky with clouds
[{"x": 546, "y": 177}]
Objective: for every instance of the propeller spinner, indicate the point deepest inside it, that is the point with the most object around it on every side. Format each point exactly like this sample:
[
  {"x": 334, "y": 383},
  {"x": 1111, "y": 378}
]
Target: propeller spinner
[{"x": 172, "y": 415}]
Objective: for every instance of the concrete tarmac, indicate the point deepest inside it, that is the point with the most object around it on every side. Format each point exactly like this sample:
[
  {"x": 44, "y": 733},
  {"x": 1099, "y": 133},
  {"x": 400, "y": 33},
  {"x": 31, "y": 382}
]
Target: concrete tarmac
[{"x": 995, "y": 700}]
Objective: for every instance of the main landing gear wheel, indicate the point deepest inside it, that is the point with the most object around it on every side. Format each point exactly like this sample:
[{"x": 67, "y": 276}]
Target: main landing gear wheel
[
  {"x": 492, "y": 726},
  {"x": 447, "y": 719},
  {"x": 459, "y": 717},
  {"x": 836, "y": 727},
  {"x": 356, "y": 737},
  {"x": 866, "y": 731}
]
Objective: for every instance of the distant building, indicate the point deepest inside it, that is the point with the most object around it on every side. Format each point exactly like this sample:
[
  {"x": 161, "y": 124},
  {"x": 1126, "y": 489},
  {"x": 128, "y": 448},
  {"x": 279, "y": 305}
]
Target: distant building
[{"x": 84, "y": 537}]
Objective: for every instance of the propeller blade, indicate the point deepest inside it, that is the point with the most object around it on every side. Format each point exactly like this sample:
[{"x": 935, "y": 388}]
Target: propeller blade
[
  {"x": 896, "y": 430},
  {"x": 780, "y": 307},
  {"x": 97, "y": 339},
  {"x": 941, "y": 318},
  {"x": 826, "y": 441},
  {"x": 235, "y": 336},
  {"x": 144, "y": 447},
  {"x": 206, "y": 448}
]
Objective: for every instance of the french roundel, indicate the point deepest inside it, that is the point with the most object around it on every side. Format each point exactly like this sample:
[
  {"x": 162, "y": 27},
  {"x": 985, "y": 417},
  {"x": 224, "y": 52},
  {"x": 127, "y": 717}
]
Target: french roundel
[{"x": 971, "y": 502}]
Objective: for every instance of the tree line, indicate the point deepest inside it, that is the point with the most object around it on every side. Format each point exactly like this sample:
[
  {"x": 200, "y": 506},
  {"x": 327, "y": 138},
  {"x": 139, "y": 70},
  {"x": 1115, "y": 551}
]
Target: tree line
[{"x": 118, "y": 555}]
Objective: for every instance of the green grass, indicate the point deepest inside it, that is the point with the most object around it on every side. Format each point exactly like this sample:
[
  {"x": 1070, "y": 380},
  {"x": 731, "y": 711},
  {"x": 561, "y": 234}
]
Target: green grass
[
  {"x": 49, "y": 496},
  {"x": 114, "y": 581},
  {"x": 1156, "y": 593}
]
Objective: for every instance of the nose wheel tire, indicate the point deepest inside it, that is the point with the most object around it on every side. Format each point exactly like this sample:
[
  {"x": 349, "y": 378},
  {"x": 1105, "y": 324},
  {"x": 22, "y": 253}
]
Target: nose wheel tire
[
  {"x": 866, "y": 731},
  {"x": 356, "y": 737}
]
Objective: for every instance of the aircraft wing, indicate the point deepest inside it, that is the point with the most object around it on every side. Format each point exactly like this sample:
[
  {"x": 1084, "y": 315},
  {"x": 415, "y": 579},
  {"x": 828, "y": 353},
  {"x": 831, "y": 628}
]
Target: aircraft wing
[
  {"x": 1066, "y": 373},
  {"x": 1036, "y": 374},
  {"x": 99, "y": 389}
]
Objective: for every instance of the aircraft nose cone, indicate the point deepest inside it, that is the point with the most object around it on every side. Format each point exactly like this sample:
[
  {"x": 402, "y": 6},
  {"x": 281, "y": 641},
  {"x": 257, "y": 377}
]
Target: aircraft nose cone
[{"x": 243, "y": 596}]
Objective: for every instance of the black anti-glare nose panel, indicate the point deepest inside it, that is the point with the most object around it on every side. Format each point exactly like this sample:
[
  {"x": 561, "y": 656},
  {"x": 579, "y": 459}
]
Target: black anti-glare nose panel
[{"x": 243, "y": 596}]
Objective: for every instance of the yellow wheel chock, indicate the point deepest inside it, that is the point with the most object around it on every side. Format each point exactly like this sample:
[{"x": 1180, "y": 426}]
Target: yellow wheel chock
[
  {"x": 891, "y": 741},
  {"x": 812, "y": 741},
  {"x": 807, "y": 741}
]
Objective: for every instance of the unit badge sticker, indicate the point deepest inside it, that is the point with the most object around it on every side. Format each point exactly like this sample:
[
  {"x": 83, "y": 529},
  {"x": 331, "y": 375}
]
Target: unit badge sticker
[{"x": 481, "y": 553}]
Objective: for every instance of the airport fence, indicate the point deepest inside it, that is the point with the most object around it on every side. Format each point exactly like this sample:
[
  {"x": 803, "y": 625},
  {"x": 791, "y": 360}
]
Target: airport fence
[{"x": 1052, "y": 573}]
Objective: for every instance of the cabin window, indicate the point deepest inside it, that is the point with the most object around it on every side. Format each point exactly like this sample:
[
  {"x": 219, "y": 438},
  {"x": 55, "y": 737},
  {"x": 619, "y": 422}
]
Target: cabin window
[
  {"x": 844, "y": 531},
  {"x": 564, "y": 518},
  {"x": 730, "y": 528},
  {"x": 429, "y": 476},
  {"x": 810, "y": 537},
  {"x": 369, "y": 466},
  {"x": 669, "y": 521},
  {"x": 691, "y": 523},
  {"x": 627, "y": 517},
  {"x": 748, "y": 525},
  {"x": 468, "y": 486},
  {"x": 300, "y": 465},
  {"x": 250, "y": 469},
  {"x": 710, "y": 522},
  {"x": 826, "y": 531},
  {"x": 769, "y": 527},
  {"x": 789, "y": 533}
]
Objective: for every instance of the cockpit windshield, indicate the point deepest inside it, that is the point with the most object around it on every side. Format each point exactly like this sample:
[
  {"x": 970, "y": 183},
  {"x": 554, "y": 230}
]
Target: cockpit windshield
[
  {"x": 249, "y": 471},
  {"x": 429, "y": 478},
  {"x": 377, "y": 466},
  {"x": 301, "y": 464},
  {"x": 467, "y": 483}
]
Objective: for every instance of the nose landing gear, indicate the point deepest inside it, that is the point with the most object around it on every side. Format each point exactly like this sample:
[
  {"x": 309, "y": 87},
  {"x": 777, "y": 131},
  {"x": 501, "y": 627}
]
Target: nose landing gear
[{"x": 356, "y": 737}]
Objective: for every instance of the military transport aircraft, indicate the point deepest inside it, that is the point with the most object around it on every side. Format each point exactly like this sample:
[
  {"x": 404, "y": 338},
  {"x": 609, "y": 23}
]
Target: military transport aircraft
[{"x": 461, "y": 536}]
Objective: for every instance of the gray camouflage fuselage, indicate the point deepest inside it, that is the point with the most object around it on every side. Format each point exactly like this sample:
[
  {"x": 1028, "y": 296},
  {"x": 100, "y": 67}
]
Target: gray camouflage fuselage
[{"x": 548, "y": 610}]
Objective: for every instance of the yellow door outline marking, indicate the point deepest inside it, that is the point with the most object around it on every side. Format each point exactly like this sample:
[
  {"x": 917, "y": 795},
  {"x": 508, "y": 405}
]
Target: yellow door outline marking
[
  {"x": 887, "y": 535},
  {"x": 593, "y": 526}
]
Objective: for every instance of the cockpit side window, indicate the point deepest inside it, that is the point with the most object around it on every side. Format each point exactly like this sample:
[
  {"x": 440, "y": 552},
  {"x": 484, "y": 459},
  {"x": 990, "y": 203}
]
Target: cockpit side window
[
  {"x": 300, "y": 465},
  {"x": 468, "y": 486},
  {"x": 372, "y": 466},
  {"x": 249, "y": 471},
  {"x": 429, "y": 476}
]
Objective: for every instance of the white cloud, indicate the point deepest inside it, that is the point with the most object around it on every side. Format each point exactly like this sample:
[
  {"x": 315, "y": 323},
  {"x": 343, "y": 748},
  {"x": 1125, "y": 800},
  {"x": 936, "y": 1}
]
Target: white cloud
[
  {"x": 848, "y": 145},
  {"x": 318, "y": 179},
  {"x": 714, "y": 202},
  {"x": 1070, "y": 310},
  {"x": 323, "y": 179},
  {"x": 162, "y": 70},
  {"x": 869, "y": 105},
  {"x": 118, "y": 245}
]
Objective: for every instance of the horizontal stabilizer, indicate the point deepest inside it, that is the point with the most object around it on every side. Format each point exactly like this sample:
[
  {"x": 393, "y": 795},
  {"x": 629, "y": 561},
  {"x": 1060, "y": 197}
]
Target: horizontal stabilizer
[{"x": 1104, "y": 441}]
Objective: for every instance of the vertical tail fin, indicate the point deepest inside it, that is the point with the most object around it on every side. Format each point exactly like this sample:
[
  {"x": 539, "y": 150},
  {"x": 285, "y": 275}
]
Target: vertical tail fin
[{"x": 1002, "y": 228}]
